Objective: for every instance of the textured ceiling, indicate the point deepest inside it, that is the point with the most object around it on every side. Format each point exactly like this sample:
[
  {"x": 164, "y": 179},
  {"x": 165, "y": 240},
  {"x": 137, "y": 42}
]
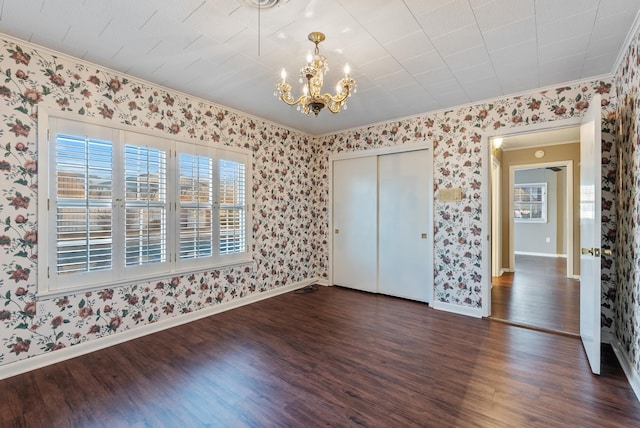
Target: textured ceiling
[{"x": 408, "y": 56}]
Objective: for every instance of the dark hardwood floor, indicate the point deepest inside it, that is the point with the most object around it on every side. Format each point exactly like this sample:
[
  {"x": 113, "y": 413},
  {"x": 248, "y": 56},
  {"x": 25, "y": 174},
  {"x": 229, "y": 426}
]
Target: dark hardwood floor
[
  {"x": 538, "y": 295},
  {"x": 336, "y": 357}
]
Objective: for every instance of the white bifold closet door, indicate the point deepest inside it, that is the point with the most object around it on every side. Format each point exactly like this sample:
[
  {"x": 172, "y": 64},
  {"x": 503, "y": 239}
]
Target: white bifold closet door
[
  {"x": 355, "y": 183},
  {"x": 404, "y": 252},
  {"x": 382, "y": 224}
]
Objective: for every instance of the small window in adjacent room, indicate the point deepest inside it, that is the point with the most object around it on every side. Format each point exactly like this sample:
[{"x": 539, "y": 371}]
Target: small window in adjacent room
[
  {"x": 118, "y": 206},
  {"x": 530, "y": 203}
]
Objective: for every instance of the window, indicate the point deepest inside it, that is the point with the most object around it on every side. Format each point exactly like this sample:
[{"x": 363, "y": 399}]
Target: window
[
  {"x": 145, "y": 205},
  {"x": 530, "y": 203},
  {"x": 232, "y": 212},
  {"x": 196, "y": 206},
  {"x": 83, "y": 195},
  {"x": 121, "y": 206}
]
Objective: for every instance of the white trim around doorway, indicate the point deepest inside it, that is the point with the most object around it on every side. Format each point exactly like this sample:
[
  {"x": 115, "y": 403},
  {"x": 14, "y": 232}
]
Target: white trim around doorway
[{"x": 486, "y": 193}]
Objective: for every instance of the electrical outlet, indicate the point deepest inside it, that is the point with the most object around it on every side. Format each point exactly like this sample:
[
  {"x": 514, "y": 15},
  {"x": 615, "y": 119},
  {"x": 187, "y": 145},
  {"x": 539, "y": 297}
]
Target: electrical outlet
[{"x": 548, "y": 239}]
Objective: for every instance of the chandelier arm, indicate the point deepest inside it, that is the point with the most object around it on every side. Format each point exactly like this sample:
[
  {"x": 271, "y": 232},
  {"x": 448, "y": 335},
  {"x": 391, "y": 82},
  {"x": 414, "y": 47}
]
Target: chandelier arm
[
  {"x": 292, "y": 103},
  {"x": 336, "y": 98},
  {"x": 333, "y": 107}
]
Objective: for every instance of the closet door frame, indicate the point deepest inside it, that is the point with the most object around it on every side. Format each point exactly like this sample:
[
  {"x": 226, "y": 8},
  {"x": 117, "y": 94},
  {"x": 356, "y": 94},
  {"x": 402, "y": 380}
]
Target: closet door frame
[{"x": 378, "y": 152}]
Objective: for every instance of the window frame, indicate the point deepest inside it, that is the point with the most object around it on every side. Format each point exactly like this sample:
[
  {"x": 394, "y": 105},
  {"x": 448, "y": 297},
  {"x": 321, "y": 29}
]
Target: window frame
[
  {"x": 543, "y": 203},
  {"x": 50, "y": 284}
]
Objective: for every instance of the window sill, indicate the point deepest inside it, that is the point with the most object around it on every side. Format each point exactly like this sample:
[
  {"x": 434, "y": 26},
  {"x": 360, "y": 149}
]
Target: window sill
[{"x": 61, "y": 292}]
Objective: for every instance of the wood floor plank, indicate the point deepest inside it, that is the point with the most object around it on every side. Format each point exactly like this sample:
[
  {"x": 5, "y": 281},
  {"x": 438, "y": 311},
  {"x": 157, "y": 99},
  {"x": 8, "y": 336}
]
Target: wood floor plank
[
  {"x": 538, "y": 294},
  {"x": 336, "y": 357}
]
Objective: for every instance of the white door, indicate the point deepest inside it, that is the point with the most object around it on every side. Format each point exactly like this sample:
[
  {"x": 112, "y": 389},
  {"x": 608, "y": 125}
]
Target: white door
[
  {"x": 404, "y": 202},
  {"x": 355, "y": 222},
  {"x": 590, "y": 230}
]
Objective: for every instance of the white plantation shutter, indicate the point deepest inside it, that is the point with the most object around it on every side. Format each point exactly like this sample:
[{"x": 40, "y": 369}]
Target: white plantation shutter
[
  {"x": 83, "y": 199},
  {"x": 232, "y": 206},
  {"x": 145, "y": 203},
  {"x": 119, "y": 206},
  {"x": 196, "y": 233}
]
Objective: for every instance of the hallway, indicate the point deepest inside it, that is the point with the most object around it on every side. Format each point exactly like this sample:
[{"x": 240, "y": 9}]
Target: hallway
[{"x": 538, "y": 295}]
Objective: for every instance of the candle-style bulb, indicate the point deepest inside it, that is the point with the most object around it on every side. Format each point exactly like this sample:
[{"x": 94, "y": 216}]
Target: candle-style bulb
[
  {"x": 346, "y": 69},
  {"x": 283, "y": 74}
]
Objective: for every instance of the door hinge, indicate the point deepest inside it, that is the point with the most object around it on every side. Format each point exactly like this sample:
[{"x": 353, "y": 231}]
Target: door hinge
[
  {"x": 48, "y": 134},
  {"x": 48, "y": 272},
  {"x": 48, "y": 204}
]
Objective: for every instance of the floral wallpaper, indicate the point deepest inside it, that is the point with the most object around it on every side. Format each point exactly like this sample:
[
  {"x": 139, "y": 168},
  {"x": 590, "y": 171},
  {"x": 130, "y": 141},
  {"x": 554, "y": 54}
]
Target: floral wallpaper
[
  {"x": 457, "y": 137},
  {"x": 627, "y": 302},
  {"x": 290, "y": 194},
  {"x": 284, "y": 250}
]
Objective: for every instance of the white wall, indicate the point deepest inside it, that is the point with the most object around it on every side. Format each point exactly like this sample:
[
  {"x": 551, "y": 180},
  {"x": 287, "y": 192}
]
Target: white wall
[{"x": 533, "y": 237}]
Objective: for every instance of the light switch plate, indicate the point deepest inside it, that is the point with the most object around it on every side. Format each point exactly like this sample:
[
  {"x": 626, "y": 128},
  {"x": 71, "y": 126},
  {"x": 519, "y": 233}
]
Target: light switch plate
[{"x": 450, "y": 195}]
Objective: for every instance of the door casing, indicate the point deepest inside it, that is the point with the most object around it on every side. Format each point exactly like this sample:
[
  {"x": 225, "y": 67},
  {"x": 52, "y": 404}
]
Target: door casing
[{"x": 486, "y": 193}]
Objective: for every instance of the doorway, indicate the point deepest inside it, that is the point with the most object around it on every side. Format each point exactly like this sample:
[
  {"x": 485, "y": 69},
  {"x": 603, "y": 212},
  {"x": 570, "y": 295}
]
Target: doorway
[{"x": 534, "y": 279}]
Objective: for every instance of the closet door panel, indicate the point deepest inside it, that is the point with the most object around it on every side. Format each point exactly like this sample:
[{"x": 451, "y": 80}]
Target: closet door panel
[
  {"x": 405, "y": 252},
  {"x": 355, "y": 223}
]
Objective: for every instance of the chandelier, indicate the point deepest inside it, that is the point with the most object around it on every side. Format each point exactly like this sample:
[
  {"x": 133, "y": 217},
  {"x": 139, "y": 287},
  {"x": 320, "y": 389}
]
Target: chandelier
[{"x": 312, "y": 77}]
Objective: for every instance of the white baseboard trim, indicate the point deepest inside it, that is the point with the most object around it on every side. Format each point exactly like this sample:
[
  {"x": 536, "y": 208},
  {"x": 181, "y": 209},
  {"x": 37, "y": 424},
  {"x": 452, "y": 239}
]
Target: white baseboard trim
[
  {"x": 503, "y": 271},
  {"x": 527, "y": 253},
  {"x": 324, "y": 282},
  {"x": 457, "y": 309},
  {"x": 632, "y": 376},
  {"x": 607, "y": 337},
  {"x": 43, "y": 360}
]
